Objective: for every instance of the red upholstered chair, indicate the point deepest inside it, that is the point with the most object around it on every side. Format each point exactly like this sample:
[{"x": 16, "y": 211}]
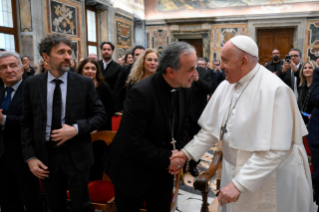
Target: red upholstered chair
[
  {"x": 102, "y": 191},
  {"x": 116, "y": 120},
  {"x": 305, "y": 142}
]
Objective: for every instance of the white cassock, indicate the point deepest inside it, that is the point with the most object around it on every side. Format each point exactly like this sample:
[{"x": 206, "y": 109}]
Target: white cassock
[{"x": 263, "y": 153}]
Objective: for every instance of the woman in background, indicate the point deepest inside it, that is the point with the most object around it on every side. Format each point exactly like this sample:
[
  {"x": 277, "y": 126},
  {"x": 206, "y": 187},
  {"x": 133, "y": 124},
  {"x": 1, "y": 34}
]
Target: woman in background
[
  {"x": 145, "y": 66},
  {"x": 90, "y": 68},
  {"x": 128, "y": 59},
  {"x": 305, "y": 89},
  {"x": 43, "y": 67}
]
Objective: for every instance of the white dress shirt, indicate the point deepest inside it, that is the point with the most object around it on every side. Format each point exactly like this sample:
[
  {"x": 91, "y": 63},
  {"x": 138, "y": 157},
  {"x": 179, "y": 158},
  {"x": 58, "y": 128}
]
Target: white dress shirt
[{"x": 50, "y": 91}]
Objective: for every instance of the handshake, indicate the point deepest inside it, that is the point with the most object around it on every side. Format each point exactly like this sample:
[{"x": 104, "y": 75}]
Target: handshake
[{"x": 178, "y": 160}]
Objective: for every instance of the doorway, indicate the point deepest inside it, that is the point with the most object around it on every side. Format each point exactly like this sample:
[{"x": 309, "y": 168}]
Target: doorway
[
  {"x": 197, "y": 43},
  {"x": 270, "y": 39}
]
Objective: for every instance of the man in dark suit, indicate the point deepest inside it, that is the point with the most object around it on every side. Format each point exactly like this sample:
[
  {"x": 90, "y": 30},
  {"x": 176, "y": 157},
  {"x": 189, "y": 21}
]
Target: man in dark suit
[
  {"x": 28, "y": 70},
  {"x": 120, "y": 85},
  {"x": 276, "y": 64},
  {"x": 60, "y": 110},
  {"x": 110, "y": 69},
  {"x": 313, "y": 136},
  {"x": 202, "y": 87},
  {"x": 291, "y": 71},
  {"x": 155, "y": 113},
  {"x": 217, "y": 75},
  {"x": 18, "y": 187}
]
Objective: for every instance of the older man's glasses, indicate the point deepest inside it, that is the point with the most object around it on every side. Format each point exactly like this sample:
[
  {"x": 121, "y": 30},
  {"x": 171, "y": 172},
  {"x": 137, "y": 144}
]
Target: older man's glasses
[{"x": 296, "y": 55}]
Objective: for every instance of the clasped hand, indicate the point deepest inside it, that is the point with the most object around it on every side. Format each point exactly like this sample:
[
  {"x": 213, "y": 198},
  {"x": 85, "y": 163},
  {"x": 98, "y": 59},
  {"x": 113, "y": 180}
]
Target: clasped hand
[
  {"x": 178, "y": 160},
  {"x": 62, "y": 135}
]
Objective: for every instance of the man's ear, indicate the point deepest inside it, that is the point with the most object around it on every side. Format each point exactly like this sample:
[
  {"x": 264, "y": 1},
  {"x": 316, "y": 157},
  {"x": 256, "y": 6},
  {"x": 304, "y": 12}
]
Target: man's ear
[
  {"x": 46, "y": 57},
  {"x": 170, "y": 72}
]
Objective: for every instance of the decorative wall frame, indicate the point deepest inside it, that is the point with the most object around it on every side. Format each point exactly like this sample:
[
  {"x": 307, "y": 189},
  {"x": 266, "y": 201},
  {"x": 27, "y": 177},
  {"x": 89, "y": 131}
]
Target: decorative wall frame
[{"x": 63, "y": 18}]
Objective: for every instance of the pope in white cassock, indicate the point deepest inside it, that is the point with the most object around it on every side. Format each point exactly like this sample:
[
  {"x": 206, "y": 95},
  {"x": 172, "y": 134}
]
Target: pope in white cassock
[{"x": 255, "y": 115}]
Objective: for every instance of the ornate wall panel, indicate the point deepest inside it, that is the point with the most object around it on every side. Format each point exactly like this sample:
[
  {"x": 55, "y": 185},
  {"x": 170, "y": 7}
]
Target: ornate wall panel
[
  {"x": 124, "y": 35},
  {"x": 312, "y": 40},
  {"x": 25, "y": 16},
  {"x": 104, "y": 30},
  {"x": 64, "y": 17},
  {"x": 221, "y": 33},
  {"x": 158, "y": 37},
  {"x": 27, "y": 47}
]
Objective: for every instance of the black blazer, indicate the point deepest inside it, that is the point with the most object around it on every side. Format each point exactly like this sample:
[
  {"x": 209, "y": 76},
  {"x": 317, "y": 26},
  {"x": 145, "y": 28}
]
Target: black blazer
[
  {"x": 120, "y": 88},
  {"x": 11, "y": 136},
  {"x": 142, "y": 144},
  {"x": 31, "y": 73},
  {"x": 200, "y": 89},
  {"x": 111, "y": 72},
  {"x": 313, "y": 123},
  {"x": 105, "y": 94},
  {"x": 287, "y": 77},
  {"x": 83, "y": 106}
]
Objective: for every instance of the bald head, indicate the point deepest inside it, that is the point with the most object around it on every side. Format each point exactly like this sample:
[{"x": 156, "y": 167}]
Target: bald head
[{"x": 235, "y": 62}]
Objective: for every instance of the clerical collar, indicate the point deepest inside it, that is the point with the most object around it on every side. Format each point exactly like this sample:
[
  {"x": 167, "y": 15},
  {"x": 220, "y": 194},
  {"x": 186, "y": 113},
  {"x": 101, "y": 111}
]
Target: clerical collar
[
  {"x": 173, "y": 90},
  {"x": 248, "y": 76}
]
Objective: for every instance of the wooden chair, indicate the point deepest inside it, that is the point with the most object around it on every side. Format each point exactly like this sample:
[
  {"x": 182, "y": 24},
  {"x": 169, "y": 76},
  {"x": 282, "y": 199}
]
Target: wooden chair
[{"x": 203, "y": 179}]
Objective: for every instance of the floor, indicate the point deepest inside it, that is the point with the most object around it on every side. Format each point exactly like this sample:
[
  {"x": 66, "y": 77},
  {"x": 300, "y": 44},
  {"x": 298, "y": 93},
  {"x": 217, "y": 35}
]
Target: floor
[{"x": 190, "y": 200}]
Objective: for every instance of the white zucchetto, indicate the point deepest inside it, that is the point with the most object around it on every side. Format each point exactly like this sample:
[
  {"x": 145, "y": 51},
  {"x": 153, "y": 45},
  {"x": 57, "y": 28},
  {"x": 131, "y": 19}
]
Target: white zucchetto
[{"x": 246, "y": 44}]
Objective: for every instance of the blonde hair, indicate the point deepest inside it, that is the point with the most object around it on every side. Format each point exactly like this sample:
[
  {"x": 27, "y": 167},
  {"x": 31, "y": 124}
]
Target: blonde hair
[
  {"x": 302, "y": 77},
  {"x": 138, "y": 71},
  {"x": 40, "y": 69}
]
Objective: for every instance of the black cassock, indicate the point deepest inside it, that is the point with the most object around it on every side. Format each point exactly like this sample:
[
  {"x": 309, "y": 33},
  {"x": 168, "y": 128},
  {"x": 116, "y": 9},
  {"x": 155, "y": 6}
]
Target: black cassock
[{"x": 138, "y": 157}]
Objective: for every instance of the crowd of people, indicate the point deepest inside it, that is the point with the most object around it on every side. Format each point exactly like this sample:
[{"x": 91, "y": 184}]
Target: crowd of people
[{"x": 175, "y": 107}]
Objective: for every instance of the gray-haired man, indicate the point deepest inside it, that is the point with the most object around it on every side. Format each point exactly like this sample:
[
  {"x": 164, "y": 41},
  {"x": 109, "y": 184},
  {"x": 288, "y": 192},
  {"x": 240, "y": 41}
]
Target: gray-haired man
[{"x": 18, "y": 187}]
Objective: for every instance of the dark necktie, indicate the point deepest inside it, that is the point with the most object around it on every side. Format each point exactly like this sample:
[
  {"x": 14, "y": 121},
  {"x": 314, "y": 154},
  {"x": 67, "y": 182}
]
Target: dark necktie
[
  {"x": 56, "y": 106},
  {"x": 7, "y": 100}
]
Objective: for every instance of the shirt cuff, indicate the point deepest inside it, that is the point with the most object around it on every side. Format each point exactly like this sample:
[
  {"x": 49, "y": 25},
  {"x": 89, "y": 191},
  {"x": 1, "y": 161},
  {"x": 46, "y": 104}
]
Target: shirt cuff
[
  {"x": 4, "y": 120},
  {"x": 239, "y": 186},
  {"x": 76, "y": 127},
  {"x": 189, "y": 156},
  {"x": 30, "y": 159}
]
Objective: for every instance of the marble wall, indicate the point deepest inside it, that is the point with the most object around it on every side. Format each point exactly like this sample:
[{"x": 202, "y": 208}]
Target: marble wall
[
  {"x": 312, "y": 40},
  {"x": 124, "y": 25},
  {"x": 214, "y": 36}
]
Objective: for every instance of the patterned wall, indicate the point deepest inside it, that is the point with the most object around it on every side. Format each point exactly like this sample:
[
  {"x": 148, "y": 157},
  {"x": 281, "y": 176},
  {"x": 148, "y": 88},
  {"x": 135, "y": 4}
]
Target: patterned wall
[
  {"x": 311, "y": 50},
  {"x": 220, "y": 34},
  {"x": 64, "y": 17},
  {"x": 160, "y": 36},
  {"x": 157, "y": 38},
  {"x": 124, "y": 35}
]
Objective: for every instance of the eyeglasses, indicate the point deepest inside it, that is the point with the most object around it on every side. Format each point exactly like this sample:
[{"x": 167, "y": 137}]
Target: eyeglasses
[
  {"x": 275, "y": 53},
  {"x": 296, "y": 55}
]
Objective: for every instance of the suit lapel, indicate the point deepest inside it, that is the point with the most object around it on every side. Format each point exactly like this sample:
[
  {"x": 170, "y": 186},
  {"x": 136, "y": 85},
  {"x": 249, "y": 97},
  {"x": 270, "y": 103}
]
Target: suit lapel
[
  {"x": 71, "y": 90},
  {"x": 1, "y": 94},
  {"x": 17, "y": 99},
  {"x": 43, "y": 87}
]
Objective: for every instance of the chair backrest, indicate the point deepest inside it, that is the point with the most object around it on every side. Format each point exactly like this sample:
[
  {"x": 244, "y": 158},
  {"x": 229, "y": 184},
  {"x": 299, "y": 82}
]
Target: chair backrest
[{"x": 107, "y": 137}]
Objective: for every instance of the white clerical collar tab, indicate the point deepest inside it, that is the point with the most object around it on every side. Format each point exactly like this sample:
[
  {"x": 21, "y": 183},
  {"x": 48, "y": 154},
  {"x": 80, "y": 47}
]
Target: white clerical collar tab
[{"x": 173, "y": 90}]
